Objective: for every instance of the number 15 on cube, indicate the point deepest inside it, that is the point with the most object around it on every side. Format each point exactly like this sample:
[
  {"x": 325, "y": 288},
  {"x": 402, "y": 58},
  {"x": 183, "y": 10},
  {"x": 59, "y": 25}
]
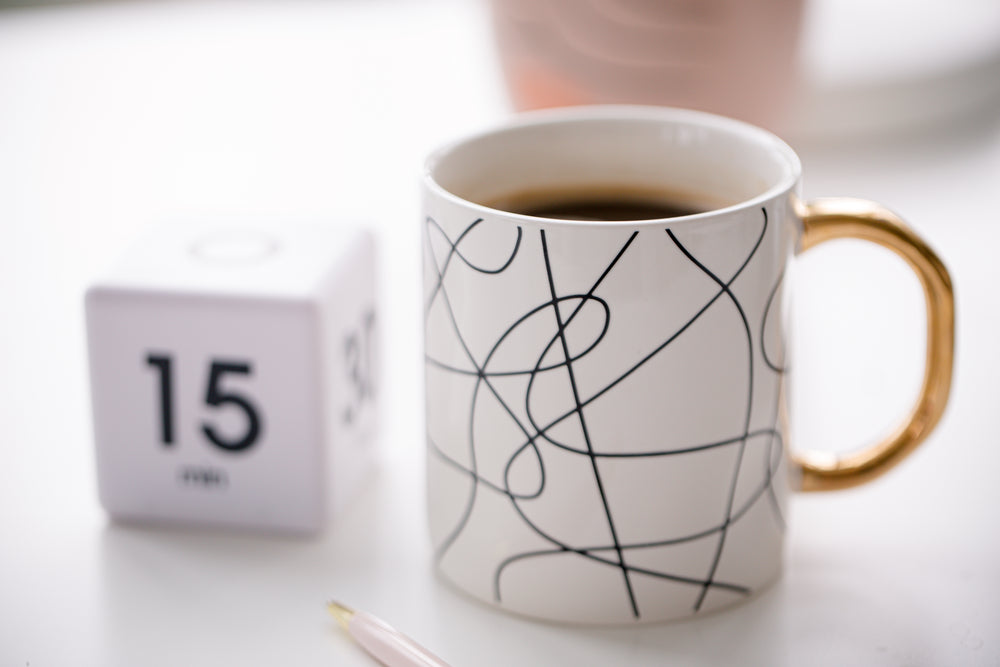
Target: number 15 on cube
[{"x": 214, "y": 396}]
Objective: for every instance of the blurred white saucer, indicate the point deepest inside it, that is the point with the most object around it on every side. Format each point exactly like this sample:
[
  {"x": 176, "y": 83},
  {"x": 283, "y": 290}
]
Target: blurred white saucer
[{"x": 880, "y": 66}]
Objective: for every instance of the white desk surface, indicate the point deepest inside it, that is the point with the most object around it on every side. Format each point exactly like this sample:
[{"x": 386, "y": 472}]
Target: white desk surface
[{"x": 119, "y": 115}]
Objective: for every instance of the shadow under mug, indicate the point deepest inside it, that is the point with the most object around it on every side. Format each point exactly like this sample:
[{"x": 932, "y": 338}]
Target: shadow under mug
[{"x": 606, "y": 417}]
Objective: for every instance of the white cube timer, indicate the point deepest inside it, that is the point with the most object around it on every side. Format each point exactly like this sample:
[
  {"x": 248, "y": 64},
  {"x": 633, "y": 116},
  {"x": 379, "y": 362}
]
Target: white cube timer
[{"x": 232, "y": 374}]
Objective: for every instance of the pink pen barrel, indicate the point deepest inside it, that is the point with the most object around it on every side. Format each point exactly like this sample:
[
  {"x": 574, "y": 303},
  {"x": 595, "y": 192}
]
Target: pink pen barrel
[{"x": 388, "y": 645}]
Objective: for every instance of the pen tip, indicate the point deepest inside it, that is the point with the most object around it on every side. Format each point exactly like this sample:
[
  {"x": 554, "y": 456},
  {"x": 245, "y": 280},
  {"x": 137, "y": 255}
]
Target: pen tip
[{"x": 342, "y": 613}]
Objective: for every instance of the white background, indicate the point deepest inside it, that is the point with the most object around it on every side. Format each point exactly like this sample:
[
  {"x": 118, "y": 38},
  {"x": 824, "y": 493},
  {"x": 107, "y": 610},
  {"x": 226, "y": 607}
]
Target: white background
[{"x": 120, "y": 115}]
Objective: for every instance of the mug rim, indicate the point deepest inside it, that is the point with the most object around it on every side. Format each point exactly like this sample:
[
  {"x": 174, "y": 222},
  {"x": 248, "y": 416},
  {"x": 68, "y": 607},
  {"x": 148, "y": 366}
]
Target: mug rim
[{"x": 623, "y": 112}]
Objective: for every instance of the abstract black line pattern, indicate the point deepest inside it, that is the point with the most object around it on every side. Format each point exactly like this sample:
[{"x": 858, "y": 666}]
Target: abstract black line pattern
[{"x": 555, "y": 357}]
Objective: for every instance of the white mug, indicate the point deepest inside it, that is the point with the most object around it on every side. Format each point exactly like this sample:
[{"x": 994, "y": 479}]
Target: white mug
[{"x": 606, "y": 418}]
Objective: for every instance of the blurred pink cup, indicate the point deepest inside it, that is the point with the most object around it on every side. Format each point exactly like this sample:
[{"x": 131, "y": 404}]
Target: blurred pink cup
[{"x": 732, "y": 57}]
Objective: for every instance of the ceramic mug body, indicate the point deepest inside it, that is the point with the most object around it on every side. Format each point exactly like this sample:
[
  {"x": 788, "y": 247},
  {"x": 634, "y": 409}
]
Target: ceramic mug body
[{"x": 605, "y": 400}]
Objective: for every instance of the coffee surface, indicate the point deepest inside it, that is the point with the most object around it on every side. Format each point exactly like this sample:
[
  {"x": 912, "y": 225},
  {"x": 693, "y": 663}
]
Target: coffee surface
[{"x": 600, "y": 204}]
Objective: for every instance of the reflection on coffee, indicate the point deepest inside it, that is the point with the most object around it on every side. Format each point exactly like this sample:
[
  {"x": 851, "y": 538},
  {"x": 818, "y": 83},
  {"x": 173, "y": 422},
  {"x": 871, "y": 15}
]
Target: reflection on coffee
[{"x": 608, "y": 203}]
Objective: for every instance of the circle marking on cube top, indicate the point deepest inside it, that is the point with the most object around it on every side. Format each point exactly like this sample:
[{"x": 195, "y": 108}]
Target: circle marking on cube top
[{"x": 235, "y": 246}]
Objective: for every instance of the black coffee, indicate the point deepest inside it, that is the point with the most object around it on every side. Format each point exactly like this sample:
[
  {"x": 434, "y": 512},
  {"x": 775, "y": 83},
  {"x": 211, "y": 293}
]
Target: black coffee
[{"x": 609, "y": 203}]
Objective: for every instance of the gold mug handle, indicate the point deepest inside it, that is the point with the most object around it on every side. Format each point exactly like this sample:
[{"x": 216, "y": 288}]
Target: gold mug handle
[{"x": 828, "y": 219}]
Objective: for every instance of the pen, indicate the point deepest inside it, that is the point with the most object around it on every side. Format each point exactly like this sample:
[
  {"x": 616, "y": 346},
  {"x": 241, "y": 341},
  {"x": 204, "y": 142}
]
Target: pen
[{"x": 385, "y": 644}]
